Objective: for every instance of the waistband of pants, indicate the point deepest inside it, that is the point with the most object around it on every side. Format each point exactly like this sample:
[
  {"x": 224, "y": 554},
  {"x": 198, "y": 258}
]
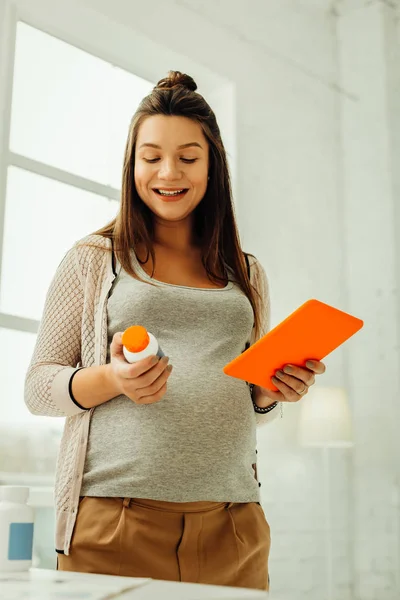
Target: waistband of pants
[{"x": 202, "y": 506}]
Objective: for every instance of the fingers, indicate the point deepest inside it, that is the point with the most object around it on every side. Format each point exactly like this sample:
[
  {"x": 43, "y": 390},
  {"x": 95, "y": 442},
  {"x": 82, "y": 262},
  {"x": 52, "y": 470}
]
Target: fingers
[
  {"x": 155, "y": 397},
  {"x": 155, "y": 391},
  {"x": 138, "y": 369},
  {"x": 145, "y": 380},
  {"x": 289, "y": 393},
  {"x": 317, "y": 366},
  {"x": 291, "y": 372},
  {"x": 150, "y": 386},
  {"x": 116, "y": 346},
  {"x": 293, "y": 381}
]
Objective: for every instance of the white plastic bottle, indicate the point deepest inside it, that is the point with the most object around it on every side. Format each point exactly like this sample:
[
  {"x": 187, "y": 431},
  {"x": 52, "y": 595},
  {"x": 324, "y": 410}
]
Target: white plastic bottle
[
  {"x": 16, "y": 529},
  {"x": 138, "y": 343}
]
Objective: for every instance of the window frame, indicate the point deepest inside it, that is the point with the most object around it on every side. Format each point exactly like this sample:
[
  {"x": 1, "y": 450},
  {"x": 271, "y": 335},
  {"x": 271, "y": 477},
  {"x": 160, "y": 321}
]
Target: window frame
[
  {"x": 114, "y": 43},
  {"x": 14, "y": 13}
]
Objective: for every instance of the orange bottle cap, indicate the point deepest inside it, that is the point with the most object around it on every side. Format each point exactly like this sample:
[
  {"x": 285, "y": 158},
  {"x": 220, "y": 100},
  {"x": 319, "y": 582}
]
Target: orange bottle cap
[{"x": 135, "y": 338}]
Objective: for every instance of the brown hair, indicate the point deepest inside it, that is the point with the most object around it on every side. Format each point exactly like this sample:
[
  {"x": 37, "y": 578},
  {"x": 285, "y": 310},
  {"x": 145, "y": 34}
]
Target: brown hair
[{"x": 214, "y": 220}]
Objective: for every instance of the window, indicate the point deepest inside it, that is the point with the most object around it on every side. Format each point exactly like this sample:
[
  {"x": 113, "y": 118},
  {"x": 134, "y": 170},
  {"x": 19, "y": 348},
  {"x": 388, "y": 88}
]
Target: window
[{"x": 69, "y": 118}]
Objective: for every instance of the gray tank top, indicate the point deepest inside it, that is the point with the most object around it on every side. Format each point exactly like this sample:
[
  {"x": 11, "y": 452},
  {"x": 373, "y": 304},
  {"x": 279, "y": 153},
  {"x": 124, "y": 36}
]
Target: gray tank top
[{"x": 198, "y": 442}]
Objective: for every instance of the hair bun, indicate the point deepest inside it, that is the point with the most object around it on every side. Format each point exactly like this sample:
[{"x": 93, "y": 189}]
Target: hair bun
[{"x": 175, "y": 78}]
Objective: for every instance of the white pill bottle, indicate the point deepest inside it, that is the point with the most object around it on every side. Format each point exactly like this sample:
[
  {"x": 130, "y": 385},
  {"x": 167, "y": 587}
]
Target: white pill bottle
[
  {"x": 138, "y": 343},
  {"x": 16, "y": 529}
]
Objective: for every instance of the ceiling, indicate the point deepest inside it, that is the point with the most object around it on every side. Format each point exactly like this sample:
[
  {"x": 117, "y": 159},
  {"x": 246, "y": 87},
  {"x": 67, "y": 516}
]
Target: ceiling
[{"x": 272, "y": 8}]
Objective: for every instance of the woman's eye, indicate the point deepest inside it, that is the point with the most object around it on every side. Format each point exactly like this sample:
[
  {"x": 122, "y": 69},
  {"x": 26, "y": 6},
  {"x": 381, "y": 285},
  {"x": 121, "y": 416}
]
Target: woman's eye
[{"x": 185, "y": 160}]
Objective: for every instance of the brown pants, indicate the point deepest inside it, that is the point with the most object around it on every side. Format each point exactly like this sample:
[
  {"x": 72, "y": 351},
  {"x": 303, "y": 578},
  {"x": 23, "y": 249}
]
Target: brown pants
[{"x": 197, "y": 542}]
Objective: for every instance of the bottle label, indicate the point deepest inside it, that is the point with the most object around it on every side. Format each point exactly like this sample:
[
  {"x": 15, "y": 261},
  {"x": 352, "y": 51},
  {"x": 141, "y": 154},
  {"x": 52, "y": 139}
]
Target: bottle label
[{"x": 20, "y": 541}]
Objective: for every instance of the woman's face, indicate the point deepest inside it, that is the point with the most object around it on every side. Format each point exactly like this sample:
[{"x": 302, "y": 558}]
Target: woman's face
[{"x": 171, "y": 165}]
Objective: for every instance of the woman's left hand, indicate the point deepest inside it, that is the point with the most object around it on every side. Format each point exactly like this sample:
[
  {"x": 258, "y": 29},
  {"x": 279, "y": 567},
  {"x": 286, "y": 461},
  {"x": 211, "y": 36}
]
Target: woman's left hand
[{"x": 293, "y": 382}]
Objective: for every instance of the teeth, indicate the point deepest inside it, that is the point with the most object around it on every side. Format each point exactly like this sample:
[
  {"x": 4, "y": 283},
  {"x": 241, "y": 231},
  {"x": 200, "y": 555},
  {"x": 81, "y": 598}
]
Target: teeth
[{"x": 174, "y": 193}]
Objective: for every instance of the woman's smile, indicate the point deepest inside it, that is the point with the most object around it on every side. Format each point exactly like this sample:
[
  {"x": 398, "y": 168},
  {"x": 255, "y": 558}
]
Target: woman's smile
[{"x": 170, "y": 195}]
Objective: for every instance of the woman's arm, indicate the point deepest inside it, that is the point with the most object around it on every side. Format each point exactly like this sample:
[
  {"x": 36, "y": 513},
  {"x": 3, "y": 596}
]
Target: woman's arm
[
  {"x": 259, "y": 280},
  {"x": 58, "y": 345},
  {"x": 93, "y": 386}
]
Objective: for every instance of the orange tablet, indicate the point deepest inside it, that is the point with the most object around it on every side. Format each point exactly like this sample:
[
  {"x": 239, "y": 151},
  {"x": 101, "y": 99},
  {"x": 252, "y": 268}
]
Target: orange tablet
[{"x": 312, "y": 331}]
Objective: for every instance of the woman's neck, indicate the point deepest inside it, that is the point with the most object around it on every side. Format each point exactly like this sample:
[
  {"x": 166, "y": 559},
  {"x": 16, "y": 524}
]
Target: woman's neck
[{"x": 177, "y": 236}]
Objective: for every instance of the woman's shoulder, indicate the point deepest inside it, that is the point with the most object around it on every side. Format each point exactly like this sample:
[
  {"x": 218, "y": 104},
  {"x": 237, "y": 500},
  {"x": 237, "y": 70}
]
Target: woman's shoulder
[
  {"x": 94, "y": 240},
  {"x": 92, "y": 248},
  {"x": 258, "y": 275},
  {"x": 250, "y": 258},
  {"x": 253, "y": 262},
  {"x": 93, "y": 244}
]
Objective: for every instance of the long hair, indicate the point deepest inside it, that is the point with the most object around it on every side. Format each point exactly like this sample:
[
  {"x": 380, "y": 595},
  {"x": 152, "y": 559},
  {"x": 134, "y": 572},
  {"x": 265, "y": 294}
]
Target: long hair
[{"x": 214, "y": 219}]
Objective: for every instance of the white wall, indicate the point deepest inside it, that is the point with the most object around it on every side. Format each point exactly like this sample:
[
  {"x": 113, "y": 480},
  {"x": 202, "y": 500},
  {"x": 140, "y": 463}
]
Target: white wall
[{"x": 369, "y": 64}]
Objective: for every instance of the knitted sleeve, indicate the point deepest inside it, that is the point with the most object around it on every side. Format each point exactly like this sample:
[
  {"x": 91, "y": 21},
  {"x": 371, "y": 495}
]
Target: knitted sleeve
[
  {"x": 259, "y": 280},
  {"x": 57, "y": 352}
]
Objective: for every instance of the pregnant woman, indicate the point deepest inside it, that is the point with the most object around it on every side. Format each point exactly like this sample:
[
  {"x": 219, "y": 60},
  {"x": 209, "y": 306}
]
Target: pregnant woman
[{"x": 156, "y": 474}]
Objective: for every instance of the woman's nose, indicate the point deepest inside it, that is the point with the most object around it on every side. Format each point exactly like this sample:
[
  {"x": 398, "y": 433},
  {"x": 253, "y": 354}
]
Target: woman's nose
[{"x": 169, "y": 170}]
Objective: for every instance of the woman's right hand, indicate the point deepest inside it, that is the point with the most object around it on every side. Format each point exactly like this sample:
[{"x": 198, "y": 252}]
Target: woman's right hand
[{"x": 143, "y": 382}]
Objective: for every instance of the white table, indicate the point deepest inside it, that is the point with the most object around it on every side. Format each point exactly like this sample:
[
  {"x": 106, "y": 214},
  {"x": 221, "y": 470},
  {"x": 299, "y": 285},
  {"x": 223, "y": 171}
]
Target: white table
[{"x": 42, "y": 584}]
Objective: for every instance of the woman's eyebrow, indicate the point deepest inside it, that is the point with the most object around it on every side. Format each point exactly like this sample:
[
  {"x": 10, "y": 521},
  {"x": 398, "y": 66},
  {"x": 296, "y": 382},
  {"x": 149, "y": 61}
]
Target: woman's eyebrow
[{"x": 149, "y": 145}]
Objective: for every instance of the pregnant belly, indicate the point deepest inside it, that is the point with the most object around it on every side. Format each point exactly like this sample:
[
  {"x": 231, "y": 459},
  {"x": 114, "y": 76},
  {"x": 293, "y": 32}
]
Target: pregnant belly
[{"x": 213, "y": 420}]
